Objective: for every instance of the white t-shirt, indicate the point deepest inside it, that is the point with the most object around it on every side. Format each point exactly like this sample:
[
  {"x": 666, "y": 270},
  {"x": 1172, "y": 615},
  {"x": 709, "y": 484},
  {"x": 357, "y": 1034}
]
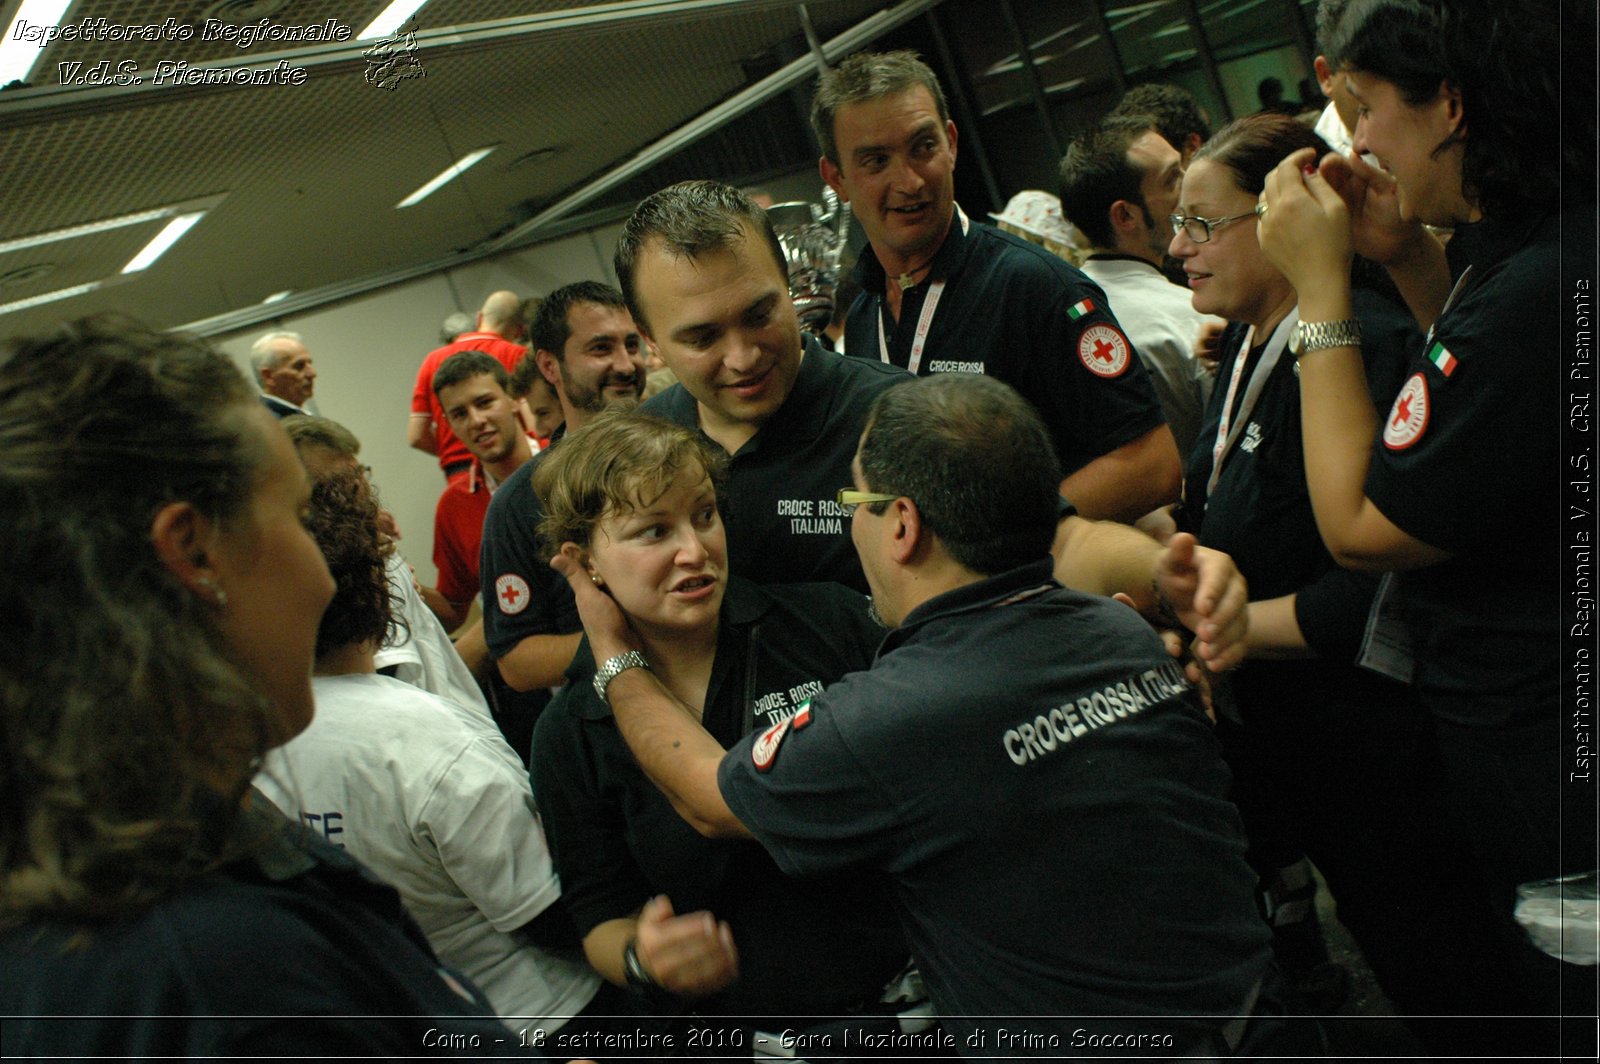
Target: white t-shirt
[
  {"x": 1160, "y": 319},
  {"x": 422, "y": 652},
  {"x": 426, "y": 801}
]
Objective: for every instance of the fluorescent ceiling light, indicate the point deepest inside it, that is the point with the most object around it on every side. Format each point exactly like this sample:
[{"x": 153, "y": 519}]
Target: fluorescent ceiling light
[
  {"x": 390, "y": 19},
  {"x": 1173, "y": 30},
  {"x": 451, "y": 172},
  {"x": 277, "y": 297},
  {"x": 49, "y": 297},
  {"x": 170, "y": 234},
  {"x": 18, "y": 56},
  {"x": 72, "y": 232}
]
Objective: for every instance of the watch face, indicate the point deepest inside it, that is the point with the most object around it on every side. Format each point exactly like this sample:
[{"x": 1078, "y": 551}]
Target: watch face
[{"x": 1297, "y": 337}]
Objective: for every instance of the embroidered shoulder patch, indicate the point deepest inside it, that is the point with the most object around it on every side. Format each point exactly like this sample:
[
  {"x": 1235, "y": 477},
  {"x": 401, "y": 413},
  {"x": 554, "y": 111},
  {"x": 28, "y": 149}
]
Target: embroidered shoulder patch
[
  {"x": 1104, "y": 351},
  {"x": 765, "y": 749},
  {"x": 511, "y": 592},
  {"x": 1409, "y": 415}
]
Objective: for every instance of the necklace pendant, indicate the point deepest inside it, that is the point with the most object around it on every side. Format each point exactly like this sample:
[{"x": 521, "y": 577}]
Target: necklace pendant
[{"x": 905, "y": 280}]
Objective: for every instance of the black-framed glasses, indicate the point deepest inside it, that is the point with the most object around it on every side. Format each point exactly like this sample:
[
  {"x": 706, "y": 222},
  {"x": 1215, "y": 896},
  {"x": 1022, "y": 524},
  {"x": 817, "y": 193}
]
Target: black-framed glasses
[
  {"x": 849, "y": 498},
  {"x": 1199, "y": 230}
]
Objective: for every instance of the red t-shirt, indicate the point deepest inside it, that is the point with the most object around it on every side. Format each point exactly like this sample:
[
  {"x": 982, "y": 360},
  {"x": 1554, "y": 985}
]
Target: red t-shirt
[
  {"x": 458, "y": 532},
  {"x": 423, "y": 401}
]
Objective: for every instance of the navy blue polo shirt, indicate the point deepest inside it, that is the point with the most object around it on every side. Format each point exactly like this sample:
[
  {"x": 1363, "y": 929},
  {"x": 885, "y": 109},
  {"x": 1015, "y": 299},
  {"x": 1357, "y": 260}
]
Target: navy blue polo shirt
[
  {"x": 1040, "y": 783},
  {"x": 1014, "y": 311},
  {"x": 1260, "y": 511},
  {"x": 292, "y": 951},
  {"x": 820, "y": 944},
  {"x": 782, "y": 522},
  {"x": 1469, "y": 461}
]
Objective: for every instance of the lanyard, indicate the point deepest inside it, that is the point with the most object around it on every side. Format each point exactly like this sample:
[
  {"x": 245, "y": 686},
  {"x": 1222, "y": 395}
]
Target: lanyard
[
  {"x": 1460, "y": 286},
  {"x": 924, "y": 320},
  {"x": 1229, "y": 427}
]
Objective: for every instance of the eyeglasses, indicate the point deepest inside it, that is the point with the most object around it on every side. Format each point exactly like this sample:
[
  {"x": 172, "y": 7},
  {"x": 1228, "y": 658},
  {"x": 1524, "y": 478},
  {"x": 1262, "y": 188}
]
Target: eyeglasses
[
  {"x": 849, "y": 498},
  {"x": 1199, "y": 230}
]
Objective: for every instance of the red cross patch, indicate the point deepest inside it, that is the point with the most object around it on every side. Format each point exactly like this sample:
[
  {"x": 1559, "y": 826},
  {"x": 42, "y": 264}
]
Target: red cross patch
[
  {"x": 1104, "y": 351},
  {"x": 1409, "y": 415},
  {"x": 765, "y": 749},
  {"x": 511, "y": 591}
]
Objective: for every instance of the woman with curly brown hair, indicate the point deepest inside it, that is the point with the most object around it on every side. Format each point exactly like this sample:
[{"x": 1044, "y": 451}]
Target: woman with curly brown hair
[
  {"x": 162, "y": 598},
  {"x": 437, "y": 807}
]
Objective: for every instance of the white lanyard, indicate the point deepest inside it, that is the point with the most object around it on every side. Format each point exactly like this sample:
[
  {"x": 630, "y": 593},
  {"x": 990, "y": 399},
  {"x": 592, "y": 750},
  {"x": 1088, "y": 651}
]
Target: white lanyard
[
  {"x": 1460, "y": 285},
  {"x": 1229, "y": 427},
  {"x": 924, "y": 320}
]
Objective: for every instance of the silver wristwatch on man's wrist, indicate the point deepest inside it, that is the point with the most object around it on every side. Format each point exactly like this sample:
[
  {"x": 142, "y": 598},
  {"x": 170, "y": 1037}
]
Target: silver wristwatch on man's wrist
[
  {"x": 613, "y": 667},
  {"x": 1309, "y": 336}
]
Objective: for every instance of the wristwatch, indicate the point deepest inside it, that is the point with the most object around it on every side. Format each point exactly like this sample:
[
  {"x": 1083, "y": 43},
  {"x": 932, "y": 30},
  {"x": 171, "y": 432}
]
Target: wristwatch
[
  {"x": 1317, "y": 335},
  {"x": 633, "y": 970},
  {"x": 611, "y": 668}
]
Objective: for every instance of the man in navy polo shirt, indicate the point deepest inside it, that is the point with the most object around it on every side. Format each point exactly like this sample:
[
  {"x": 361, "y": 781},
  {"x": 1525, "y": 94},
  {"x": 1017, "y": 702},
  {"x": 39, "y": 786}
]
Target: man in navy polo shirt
[
  {"x": 944, "y": 294},
  {"x": 1025, "y": 763}
]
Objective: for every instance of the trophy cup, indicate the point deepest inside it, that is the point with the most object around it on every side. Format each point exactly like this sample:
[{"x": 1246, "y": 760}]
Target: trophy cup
[{"x": 813, "y": 237}]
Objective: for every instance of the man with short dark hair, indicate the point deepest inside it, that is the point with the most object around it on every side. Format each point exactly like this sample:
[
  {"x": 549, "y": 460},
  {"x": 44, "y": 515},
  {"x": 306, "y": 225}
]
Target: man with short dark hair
[
  {"x": 284, "y": 372},
  {"x": 588, "y": 349},
  {"x": 471, "y": 389},
  {"x": 1012, "y": 737},
  {"x": 1119, "y": 186},
  {"x": 707, "y": 281},
  {"x": 500, "y": 326},
  {"x": 943, "y": 294}
]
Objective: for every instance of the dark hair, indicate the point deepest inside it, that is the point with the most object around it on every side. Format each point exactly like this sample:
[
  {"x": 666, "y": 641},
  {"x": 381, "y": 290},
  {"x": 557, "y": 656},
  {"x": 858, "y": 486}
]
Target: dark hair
[
  {"x": 465, "y": 365},
  {"x": 976, "y": 459},
  {"x": 1329, "y": 12},
  {"x": 550, "y": 327},
  {"x": 1521, "y": 147},
  {"x": 868, "y": 76},
  {"x": 524, "y": 377},
  {"x": 1252, "y": 146},
  {"x": 618, "y": 458},
  {"x": 1095, "y": 173},
  {"x": 689, "y": 219},
  {"x": 121, "y": 703},
  {"x": 344, "y": 522},
  {"x": 1176, "y": 113}
]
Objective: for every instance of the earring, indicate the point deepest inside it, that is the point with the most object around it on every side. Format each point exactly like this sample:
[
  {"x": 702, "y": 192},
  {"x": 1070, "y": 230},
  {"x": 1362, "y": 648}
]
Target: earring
[
  {"x": 597, "y": 581},
  {"x": 219, "y": 597}
]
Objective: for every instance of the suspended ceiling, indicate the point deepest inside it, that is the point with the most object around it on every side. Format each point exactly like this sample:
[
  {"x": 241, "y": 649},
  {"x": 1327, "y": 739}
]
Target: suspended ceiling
[{"x": 303, "y": 179}]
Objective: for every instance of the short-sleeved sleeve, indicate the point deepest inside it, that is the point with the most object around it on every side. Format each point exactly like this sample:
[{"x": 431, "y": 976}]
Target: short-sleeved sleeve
[
  {"x": 1478, "y": 415},
  {"x": 522, "y": 595},
  {"x": 777, "y": 780},
  {"x": 1100, "y": 392},
  {"x": 422, "y": 390},
  {"x": 482, "y": 821}
]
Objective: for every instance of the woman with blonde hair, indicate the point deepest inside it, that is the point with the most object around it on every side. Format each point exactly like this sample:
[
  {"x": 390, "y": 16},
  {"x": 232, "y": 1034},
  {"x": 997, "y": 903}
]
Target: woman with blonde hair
[{"x": 687, "y": 922}]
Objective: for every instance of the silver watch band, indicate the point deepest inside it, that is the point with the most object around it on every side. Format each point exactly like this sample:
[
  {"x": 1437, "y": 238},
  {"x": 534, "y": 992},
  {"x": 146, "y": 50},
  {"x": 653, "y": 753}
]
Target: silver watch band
[
  {"x": 1312, "y": 336},
  {"x": 613, "y": 667}
]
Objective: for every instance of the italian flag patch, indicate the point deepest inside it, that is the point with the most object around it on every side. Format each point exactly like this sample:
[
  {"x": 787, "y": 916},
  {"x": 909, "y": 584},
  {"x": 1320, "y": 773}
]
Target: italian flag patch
[
  {"x": 1442, "y": 359},
  {"x": 1078, "y": 310}
]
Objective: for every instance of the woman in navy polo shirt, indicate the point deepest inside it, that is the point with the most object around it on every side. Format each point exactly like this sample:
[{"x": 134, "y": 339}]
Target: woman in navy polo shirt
[
  {"x": 694, "y": 924},
  {"x": 162, "y": 596},
  {"x": 1457, "y": 484}
]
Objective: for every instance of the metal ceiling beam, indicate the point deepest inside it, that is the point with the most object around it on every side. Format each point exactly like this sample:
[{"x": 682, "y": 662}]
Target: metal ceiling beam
[
  {"x": 780, "y": 80},
  {"x": 46, "y": 102}
]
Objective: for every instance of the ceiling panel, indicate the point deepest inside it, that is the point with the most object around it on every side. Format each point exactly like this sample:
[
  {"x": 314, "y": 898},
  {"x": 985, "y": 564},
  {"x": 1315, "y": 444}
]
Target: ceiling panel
[{"x": 311, "y": 172}]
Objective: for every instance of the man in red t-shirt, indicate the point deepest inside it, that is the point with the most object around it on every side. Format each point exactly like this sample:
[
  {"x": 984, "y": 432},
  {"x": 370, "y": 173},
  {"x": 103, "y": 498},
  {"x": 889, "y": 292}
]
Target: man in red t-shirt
[{"x": 500, "y": 326}]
